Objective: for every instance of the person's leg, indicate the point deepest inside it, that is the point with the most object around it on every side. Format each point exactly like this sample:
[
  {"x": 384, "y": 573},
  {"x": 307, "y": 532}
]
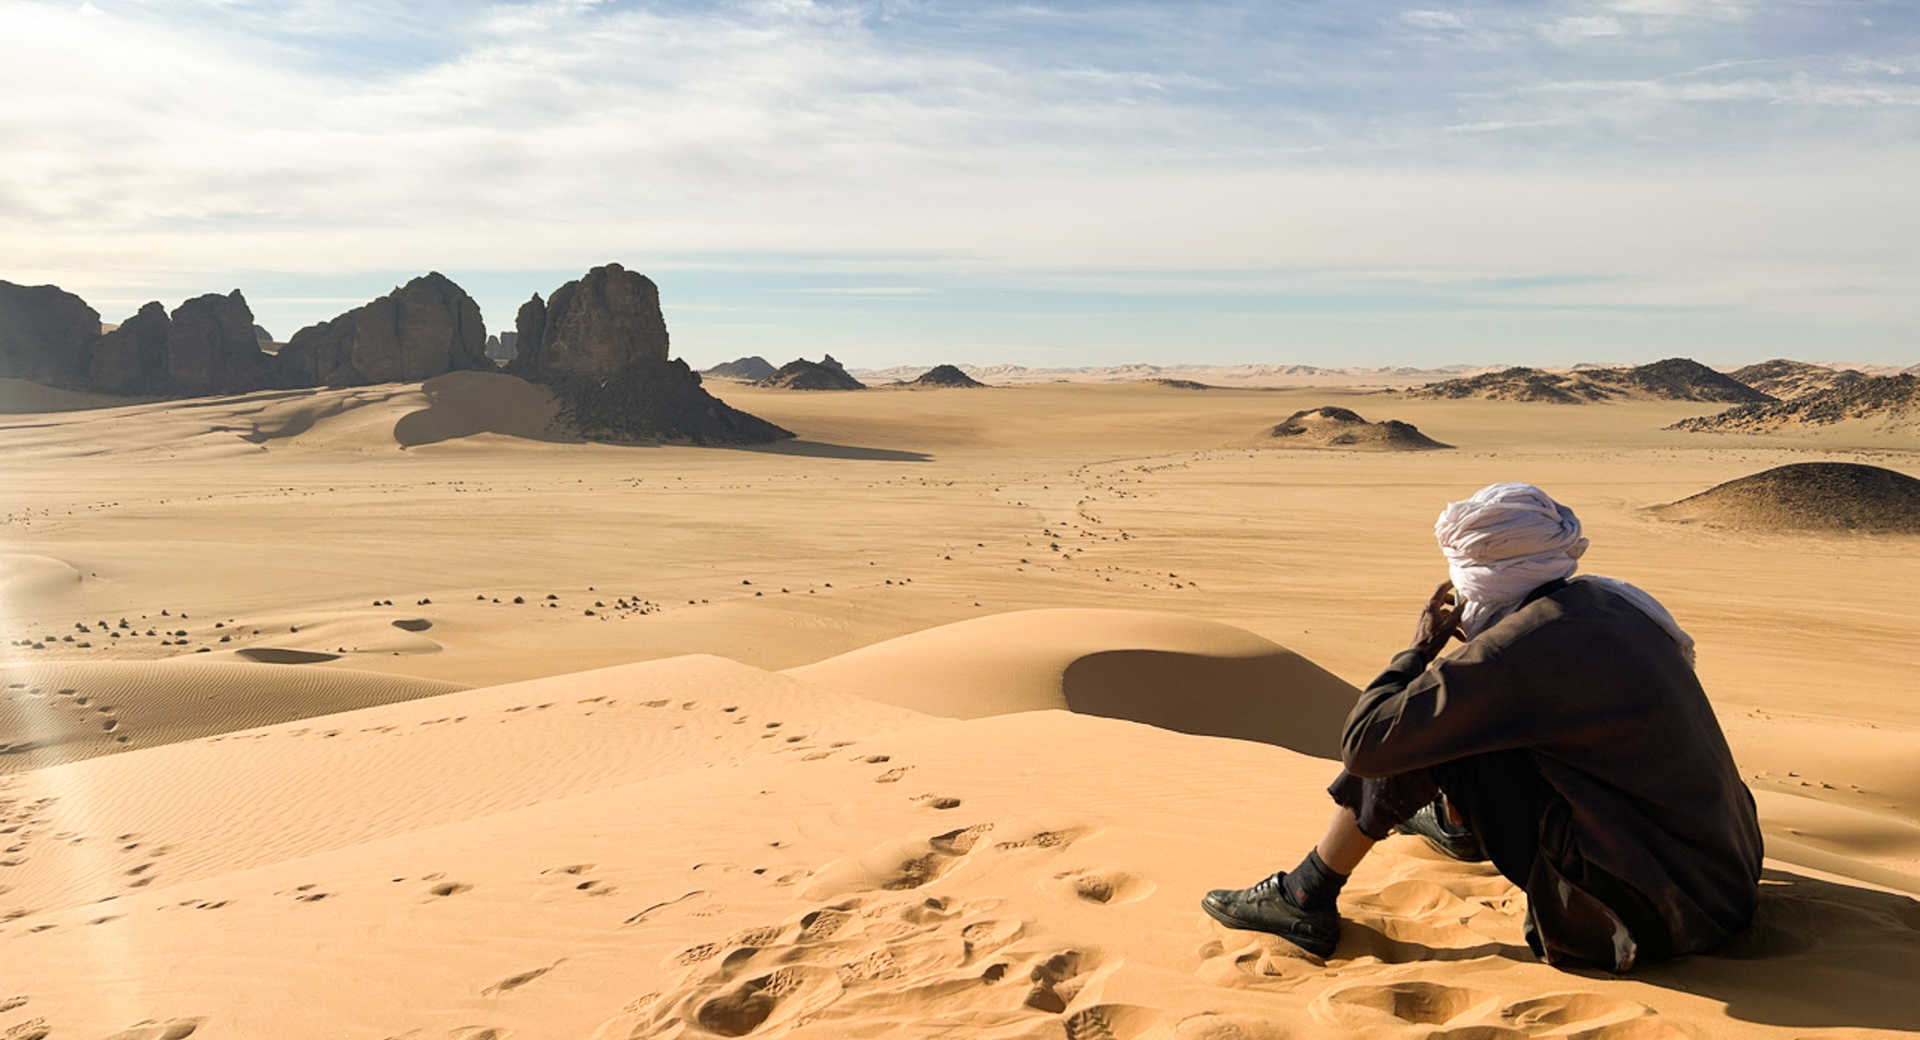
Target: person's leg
[
  {"x": 1299, "y": 904},
  {"x": 1345, "y": 844}
]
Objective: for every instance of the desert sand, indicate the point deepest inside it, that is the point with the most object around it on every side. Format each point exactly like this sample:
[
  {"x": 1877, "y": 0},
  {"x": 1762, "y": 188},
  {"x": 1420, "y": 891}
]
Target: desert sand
[{"x": 428, "y": 721}]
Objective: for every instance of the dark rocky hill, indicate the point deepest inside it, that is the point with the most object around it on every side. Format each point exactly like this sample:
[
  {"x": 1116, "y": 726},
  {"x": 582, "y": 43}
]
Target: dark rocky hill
[
  {"x": 801, "y": 374},
  {"x": 1893, "y": 401},
  {"x": 1808, "y": 496},
  {"x": 746, "y": 369},
  {"x": 425, "y": 328},
  {"x": 600, "y": 342},
  {"x": 1331, "y": 427},
  {"x": 944, "y": 376}
]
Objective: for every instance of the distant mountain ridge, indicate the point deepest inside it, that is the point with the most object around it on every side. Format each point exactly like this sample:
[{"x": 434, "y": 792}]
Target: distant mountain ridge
[
  {"x": 1893, "y": 400},
  {"x": 1671, "y": 379}
]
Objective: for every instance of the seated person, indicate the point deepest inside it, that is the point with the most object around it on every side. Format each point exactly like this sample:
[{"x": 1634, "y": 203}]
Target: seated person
[{"x": 1568, "y": 742}]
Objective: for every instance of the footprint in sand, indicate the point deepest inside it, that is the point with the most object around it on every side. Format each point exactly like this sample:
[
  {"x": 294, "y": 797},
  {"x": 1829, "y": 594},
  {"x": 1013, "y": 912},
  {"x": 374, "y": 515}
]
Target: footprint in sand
[
  {"x": 1107, "y": 888},
  {"x": 513, "y": 982},
  {"x": 152, "y": 1029},
  {"x": 790, "y": 992},
  {"x": 1112, "y": 1022},
  {"x": 1059, "y": 979},
  {"x": 1462, "y": 1013}
]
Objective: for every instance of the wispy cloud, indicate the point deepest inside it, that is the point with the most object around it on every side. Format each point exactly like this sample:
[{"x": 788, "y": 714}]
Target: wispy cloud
[{"x": 165, "y": 147}]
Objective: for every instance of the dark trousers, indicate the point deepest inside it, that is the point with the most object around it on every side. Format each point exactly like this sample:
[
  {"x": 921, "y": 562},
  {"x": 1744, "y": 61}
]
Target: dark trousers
[
  {"x": 1510, "y": 807},
  {"x": 1502, "y": 797}
]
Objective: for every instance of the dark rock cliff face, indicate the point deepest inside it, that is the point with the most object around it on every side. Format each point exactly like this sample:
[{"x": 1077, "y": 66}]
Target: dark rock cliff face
[
  {"x": 132, "y": 359},
  {"x": 425, "y": 328},
  {"x": 211, "y": 348},
  {"x": 45, "y": 334},
  {"x": 601, "y": 343},
  {"x": 529, "y": 323},
  {"x": 594, "y": 327}
]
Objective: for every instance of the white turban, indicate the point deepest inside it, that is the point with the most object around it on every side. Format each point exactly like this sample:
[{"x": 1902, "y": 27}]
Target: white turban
[{"x": 1509, "y": 539}]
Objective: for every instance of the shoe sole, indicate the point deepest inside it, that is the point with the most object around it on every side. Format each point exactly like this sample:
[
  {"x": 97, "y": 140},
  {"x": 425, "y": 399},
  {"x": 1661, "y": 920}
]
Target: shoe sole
[{"x": 1317, "y": 946}]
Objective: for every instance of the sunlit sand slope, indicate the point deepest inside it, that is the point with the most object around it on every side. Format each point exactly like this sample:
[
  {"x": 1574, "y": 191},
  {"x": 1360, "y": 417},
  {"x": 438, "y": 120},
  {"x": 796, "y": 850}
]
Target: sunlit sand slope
[
  {"x": 65, "y": 711},
  {"x": 1175, "y": 672}
]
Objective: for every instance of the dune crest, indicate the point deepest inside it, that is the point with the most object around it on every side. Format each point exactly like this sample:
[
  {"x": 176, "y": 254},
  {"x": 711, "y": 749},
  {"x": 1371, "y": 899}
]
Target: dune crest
[{"x": 1166, "y": 670}]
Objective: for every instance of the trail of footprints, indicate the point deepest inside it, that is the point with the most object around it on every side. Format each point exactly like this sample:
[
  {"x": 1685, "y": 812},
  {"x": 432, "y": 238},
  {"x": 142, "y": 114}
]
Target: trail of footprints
[{"x": 858, "y": 956}]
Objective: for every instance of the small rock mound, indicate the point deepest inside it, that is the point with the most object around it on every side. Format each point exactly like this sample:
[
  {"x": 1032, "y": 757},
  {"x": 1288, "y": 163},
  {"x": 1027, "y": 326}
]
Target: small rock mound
[
  {"x": 1808, "y": 496},
  {"x": 801, "y": 374},
  {"x": 944, "y": 375},
  {"x": 747, "y": 369},
  {"x": 1331, "y": 427},
  {"x": 1894, "y": 401},
  {"x": 1184, "y": 384},
  {"x": 1787, "y": 379}
]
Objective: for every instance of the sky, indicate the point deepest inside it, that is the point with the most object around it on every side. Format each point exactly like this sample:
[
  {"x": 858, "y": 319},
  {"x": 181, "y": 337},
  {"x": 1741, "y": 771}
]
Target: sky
[{"x": 1049, "y": 184}]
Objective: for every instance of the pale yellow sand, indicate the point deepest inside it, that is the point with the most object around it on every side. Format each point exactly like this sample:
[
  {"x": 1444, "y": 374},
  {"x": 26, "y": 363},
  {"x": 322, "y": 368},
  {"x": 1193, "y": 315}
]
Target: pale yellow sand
[{"x": 904, "y": 835}]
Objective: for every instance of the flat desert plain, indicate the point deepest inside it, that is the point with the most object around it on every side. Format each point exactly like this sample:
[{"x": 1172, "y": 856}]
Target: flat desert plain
[{"x": 391, "y": 713}]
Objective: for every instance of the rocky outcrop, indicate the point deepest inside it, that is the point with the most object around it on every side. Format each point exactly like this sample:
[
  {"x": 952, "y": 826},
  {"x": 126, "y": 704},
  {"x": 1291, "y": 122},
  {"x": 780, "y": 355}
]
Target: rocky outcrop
[
  {"x": 1808, "y": 496},
  {"x": 1681, "y": 379},
  {"x": 46, "y": 334},
  {"x": 1785, "y": 379},
  {"x": 1674, "y": 379},
  {"x": 594, "y": 327},
  {"x": 945, "y": 375},
  {"x": 425, "y": 328},
  {"x": 801, "y": 374},
  {"x": 1889, "y": 402},
  {"x": 211, "y": 348},
  {"x": 501, "y": 347},
  {"x": 530, "y": 324},
  {"x": 1332, "y": 427},
  {"x": 601, "y": 343},
  {"x": 746, "y": 369},
  {"x": 132, "y": 359},
  {"x": 263, "y": 337}
]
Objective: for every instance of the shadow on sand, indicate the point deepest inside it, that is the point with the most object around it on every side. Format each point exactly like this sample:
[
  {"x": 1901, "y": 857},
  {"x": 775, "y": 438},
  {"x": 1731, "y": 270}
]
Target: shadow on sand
[
  {"x": 1820, "y": 955},
  {"x": 823, "y": 450},
  {"x": 463, "y": 404}
]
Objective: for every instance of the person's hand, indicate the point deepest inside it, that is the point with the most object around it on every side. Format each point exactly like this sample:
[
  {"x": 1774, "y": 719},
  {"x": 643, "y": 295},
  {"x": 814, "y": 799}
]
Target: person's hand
[{"x": 1439, "y": 622}]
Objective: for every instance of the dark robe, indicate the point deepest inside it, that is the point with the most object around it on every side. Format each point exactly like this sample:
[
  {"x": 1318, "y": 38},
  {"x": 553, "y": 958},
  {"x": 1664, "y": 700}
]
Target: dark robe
[{"x": 1581, "y": 717}]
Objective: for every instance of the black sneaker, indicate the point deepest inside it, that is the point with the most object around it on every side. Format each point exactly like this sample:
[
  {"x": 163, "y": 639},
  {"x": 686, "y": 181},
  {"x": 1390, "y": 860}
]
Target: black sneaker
[
  {"x": 1430, "y": 822},
  {"x": 1266, "y": 908}
]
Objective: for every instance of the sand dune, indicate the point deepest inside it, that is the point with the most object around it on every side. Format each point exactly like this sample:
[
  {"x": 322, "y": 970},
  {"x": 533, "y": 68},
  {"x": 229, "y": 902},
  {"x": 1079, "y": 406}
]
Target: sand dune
[
  {"x": 644, "y": 862},
  {"x": 58, "y": 712},
  {"x": 1166, "y": 670}
]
